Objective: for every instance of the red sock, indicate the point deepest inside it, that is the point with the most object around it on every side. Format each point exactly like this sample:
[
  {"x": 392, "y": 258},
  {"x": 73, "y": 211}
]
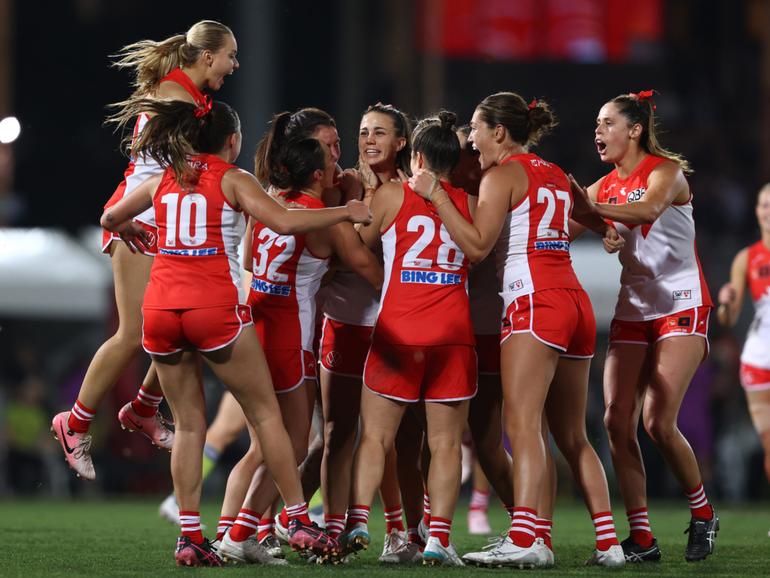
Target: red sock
[
  {"x": 426, "y": 508},
  {"x": 639, "y": 524},
  {"x": 283, "y": 517},
  {"x": 265, "y": 527},
  {"x": 298, "y": 512},
  {"x": 146, "y": 403},
  {"x": 440, "y": 528},
  {"x": 80, "y": 417},
  {"x": 699, "y": 504},
  {"x": 543, "y": 530},
  {"x": 358, "y": 514},
  {"x": 393, "y": 520},
  {"x": 245, "y": 525},
  {"x": 190, "y": 523},
  {"x": 225, "y": 523},
  {"x": 522, "y": 532},
  {"x": 335, "y": 524},
  {"x": 605, "y": 531}
]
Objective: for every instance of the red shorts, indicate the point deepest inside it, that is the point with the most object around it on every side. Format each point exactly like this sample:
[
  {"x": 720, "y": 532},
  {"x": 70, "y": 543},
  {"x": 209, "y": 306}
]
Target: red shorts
[
  {"x": 689, "y": 322},
  {"x": 166, "y": 331},
  {"x": 108, "y": 236},
  {"x": 488, "y": 354},
  {"x": 754, "y": 378},
  {"x": 410, "y": 373},
  {"x": 289, "y": 368},
  {"x": 561, "y": 318},
  {"x": 344, "y": 347}
]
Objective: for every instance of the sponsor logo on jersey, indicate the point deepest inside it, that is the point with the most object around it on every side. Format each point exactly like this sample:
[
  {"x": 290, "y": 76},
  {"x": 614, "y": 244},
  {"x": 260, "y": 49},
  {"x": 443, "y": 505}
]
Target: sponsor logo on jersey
[
  {"x": 190, "y": 252},
  {"x": 682, "y": 294},
  {"x": 430, "y": 277},
  {"x": 552, "y": 246},
  {"x": 539, "y": 163},
  {"x": 516, "y": 285},
  {"x": 261, "y": 286},
  {"x": 635, "y": 195}
]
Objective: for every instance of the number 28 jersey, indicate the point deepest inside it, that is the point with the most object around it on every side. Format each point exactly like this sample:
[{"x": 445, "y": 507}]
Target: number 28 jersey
[
  {"x": 199, "y": 234},
  {"x": 425, "y": 294},
  {"x": 533, "y": 247}
]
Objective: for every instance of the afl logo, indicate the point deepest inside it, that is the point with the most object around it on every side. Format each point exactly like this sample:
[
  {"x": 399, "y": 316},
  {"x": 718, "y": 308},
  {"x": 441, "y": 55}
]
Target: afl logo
[{"x": 333, "y": 358}]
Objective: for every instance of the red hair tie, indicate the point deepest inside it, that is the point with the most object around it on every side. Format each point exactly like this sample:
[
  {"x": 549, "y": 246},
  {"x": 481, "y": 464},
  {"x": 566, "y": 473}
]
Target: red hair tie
[
  {"x": 532, "y": 104},
  {"x": 645, "y": 95},
  {"x": 203, "y": 109}
]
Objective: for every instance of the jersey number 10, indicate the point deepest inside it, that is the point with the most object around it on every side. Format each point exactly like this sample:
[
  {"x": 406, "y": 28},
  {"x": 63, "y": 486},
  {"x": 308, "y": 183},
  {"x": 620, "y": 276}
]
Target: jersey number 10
[{"x": 179, "y": 224}]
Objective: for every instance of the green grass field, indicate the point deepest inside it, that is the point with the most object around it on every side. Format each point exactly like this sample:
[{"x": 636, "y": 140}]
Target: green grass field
[{"x": 126, "y": 538}]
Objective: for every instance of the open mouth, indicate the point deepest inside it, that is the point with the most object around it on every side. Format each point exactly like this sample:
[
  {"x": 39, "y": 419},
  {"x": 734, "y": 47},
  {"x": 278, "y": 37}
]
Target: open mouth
[{"x": 601, "y": 146}]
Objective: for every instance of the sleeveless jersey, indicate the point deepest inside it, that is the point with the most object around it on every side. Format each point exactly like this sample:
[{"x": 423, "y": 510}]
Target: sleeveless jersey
[
  {"x": 756, "y": 350},
  {"x": 142, "y": 168},
  {"x": 285, "y": 281},
  {"x": 533, "y": 247},
  {"x": 424, "y": 296},
  {"x": 198, "y": 237},
  {"x": 661, "y": 273}
]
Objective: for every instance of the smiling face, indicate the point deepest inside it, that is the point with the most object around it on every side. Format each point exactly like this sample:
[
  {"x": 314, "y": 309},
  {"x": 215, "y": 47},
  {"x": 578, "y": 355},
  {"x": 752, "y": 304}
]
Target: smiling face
[
  {"x": 614, "y": 135},
  {"x": 379, "y": 142},
  {"x": 221, "y": 63},
  {"x": 483, "y": 138}
]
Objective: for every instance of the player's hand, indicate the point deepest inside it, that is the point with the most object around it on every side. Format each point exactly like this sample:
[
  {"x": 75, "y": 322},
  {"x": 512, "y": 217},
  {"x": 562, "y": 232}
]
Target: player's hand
[
  {"x": 423, "y": 182},
  {"x": 613, "y": 242},
  {"x": 402, "y": 176},
  {"x": 727, "y": 294},
  {"x": 368, "y": 178},
  {"x": 358, "y": 212},
  {"x": 349, "y": 184},
  {"x": 136, "y": 237},
  {"x": 577, "y": 189}
]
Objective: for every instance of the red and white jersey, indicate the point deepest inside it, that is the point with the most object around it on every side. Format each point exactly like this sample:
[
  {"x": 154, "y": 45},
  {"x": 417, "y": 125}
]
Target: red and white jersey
[
  {"x": 661, "y": 273},
  {"x": 286, "y": 278},
  {"x": 533, "y": 247},
  {"x": 199, "y": 233},
  {"x": 141, "y": 168},
  {"x": 483, "y": 294},
  {"x": 756, "y": 350},
  {"x": 425, "y": 293}
]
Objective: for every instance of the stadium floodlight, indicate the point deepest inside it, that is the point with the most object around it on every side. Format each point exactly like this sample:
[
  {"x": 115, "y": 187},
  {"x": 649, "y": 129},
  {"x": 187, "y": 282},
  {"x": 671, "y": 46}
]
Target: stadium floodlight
[{"x": 9, "y": 129}]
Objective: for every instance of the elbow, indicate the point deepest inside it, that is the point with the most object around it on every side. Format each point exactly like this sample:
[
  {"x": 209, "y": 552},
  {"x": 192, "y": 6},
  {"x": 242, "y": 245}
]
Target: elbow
[
  {"x": 107, "y": 222},
  {"x": 476, "y": 256}
]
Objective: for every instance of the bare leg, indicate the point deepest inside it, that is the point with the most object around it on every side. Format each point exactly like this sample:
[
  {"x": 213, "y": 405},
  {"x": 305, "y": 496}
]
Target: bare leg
[{"x": 759, "y": 407}]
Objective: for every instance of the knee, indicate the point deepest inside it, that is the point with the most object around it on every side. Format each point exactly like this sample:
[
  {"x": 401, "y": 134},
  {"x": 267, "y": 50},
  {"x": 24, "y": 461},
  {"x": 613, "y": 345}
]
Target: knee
[
  {"x": 661, "y": 431},
  {"x": 620, "y": 423},
  {"x": 571, "y": 445},
  {"x": 337, "y": 435},
  {"x": 376, "y": 439}
]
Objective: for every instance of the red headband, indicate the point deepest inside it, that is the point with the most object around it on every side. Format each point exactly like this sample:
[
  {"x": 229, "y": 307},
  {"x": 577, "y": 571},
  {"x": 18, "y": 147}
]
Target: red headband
[
  {"x": 645, "y": 95},
  {"x": 532, "y": 104},
  {"x": 205, "y": 108}
]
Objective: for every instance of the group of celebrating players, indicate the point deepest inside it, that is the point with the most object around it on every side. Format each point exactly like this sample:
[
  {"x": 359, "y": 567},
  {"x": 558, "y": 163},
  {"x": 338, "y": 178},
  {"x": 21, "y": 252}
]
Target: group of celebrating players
[{"x": 404, "y": 350}]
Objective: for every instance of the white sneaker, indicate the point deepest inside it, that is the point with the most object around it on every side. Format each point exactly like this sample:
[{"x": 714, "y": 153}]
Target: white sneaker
[
  {"x": 478, "y": 523},
  {"x": 281, "y": 531},
  {"x": 392, "y": 541},
  {"x": 612, "y": 557},
  {"x": 249, "y": 551},
  {"x": 169, "y": 510},
  {"x": 398, "y": 549},
  {"x": 547, "y": 559},
  {"x": 423, "y": 530},
  {"x": 506, "y": 553},
  {"x": 273, "y": 547},
  {"x": 435, "y": 554}
]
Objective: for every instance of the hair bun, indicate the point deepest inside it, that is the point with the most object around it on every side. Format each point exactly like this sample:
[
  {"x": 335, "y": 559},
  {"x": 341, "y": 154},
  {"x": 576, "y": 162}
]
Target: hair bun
[{"x": 447, "y": 119}]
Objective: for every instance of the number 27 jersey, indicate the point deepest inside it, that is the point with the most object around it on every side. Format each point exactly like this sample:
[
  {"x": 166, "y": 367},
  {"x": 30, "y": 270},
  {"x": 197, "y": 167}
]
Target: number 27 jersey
[
  {"x": 425, "y": 294},
  {"x": 533, "y": 247}
]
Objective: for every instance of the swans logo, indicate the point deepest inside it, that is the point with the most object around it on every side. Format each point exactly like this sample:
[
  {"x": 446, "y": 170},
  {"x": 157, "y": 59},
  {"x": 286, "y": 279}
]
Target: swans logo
[{"x": 333, "y": 358}]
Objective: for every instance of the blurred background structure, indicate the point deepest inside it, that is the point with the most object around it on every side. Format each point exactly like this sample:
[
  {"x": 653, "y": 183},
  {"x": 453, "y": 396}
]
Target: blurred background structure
[{"x": 710, "y": 62}]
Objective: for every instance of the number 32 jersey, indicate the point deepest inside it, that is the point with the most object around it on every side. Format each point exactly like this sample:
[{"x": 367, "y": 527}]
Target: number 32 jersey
[
  {"x": 199, "y": 234},
  {"x": 533, "y": 247},
  {"x": 425, "y": 295}
]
